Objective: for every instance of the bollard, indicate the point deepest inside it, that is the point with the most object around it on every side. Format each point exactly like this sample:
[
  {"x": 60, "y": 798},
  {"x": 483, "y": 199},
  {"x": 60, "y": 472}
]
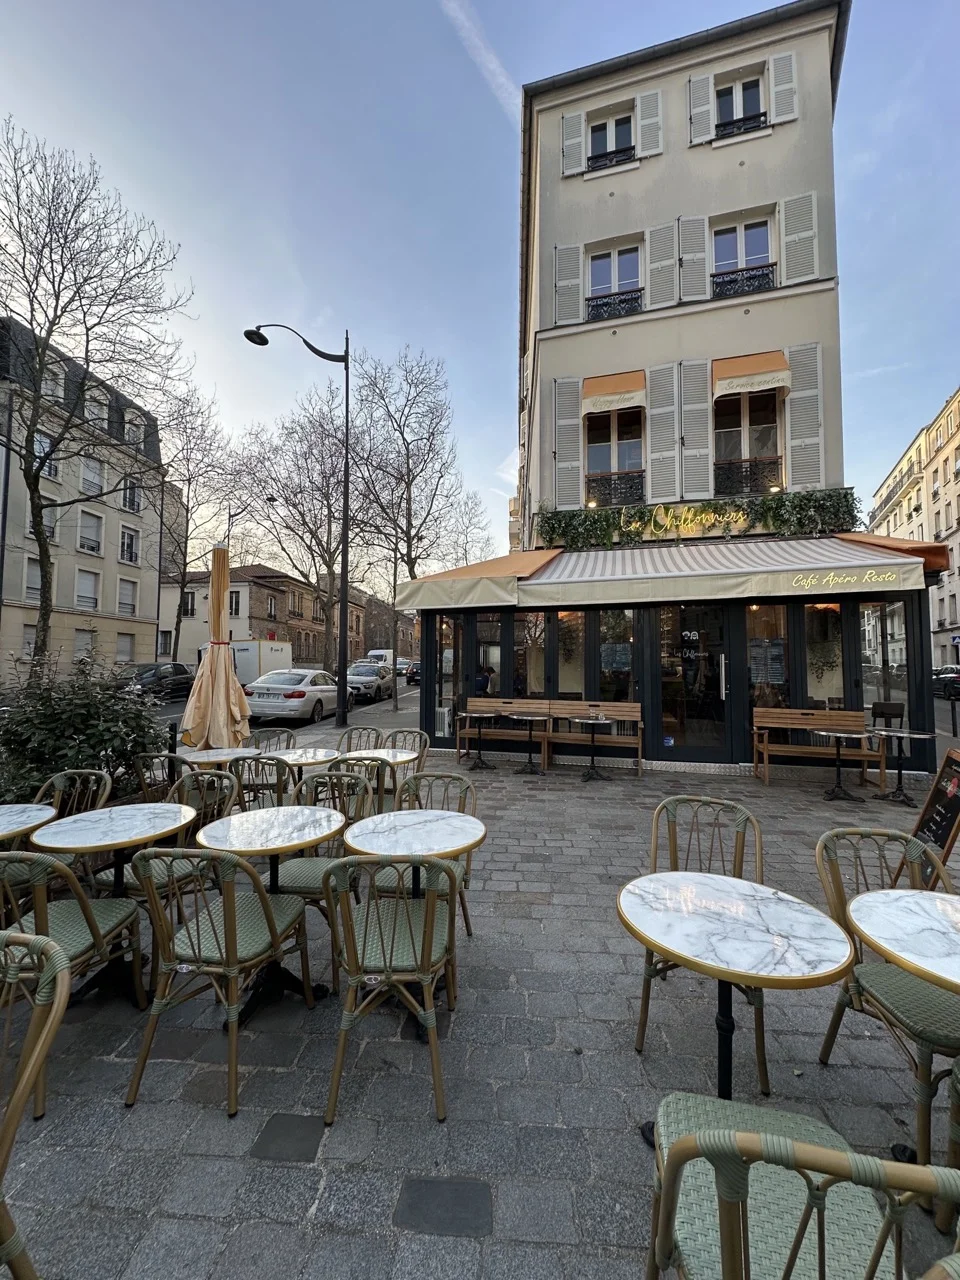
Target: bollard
[
  {"x": 172, "y": 745},
  {"x": 953, "y": 716}
]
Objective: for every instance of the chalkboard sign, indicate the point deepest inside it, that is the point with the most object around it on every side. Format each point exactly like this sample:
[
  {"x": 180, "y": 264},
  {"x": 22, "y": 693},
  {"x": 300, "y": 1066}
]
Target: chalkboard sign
[{"x": 939, "y": 821}]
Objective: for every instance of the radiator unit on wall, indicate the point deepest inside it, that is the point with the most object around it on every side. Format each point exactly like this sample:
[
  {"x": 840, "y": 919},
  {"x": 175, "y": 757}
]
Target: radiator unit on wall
[{"x": 443, "y": 722}]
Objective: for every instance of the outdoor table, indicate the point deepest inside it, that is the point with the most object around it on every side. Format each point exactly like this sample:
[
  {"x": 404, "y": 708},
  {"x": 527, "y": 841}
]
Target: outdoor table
[
  {"x": 529, "y": 767},
  {"x": 737, "y": 932},
  {"x": 593, "y": 773},
  {"x": 838, "y": 791},
  {"x": 272, "y": 832},
  {"x": 898, "y": 795},
  {"x": 220, "y": 755},
  {"x": 21, "y": 819},
  {"x": 480, "y": 716},
  {"x": 301, "y": 758},
  {"x": 392, "y": 757},
  {"x": 436, "y": 833}
]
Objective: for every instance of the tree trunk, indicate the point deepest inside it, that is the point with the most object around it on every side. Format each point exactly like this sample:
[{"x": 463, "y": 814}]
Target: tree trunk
[
  {"x": 41, "y": 646},
  {"x": 393, "y": 633},
  {"x": 329, "y": 614}
]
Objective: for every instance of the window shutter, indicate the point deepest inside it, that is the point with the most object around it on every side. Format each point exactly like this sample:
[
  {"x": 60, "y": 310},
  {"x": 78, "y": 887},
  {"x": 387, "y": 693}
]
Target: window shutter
[
  {"x": 694, "y": 278},
  {"x": 661, "y": 266},
  {"x": 804, "y": 418},
  {"x": 568, "y": 283},
  {"x": 798, "y": 236},
  {"x": 649, "y": 124},
  {"x": 662, "y": 463},
  {"x": 568, "y": 430},
  {"x": 695, "y": 428},
  {"x": 571, "y": 143},
  {"x": 700, "y": 97},
  {"x": 783, "y": 88}
]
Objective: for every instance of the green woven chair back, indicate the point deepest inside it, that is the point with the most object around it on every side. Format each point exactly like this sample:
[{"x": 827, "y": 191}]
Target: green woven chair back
[
  {"x": 212, "y": 792},
  {"x": 372, "y": 769},
  {"x": 75, "y": 791},
  {"x": 25, "y": 895},
  {"x": 359, "y": 737},
  {"x": 437, "y": 791},
  {"x": 270, "y": 740},
  {"x": 158, "y": 772},
  {"x": 349, "y": 793},
  {"x": 705, "y": 833},
  {"x": 264, "y": 781},
  {"x": 409, "y": 740}
]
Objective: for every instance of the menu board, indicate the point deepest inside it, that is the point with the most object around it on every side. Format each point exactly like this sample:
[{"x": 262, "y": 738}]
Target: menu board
[{"x": 939, "y": 821}]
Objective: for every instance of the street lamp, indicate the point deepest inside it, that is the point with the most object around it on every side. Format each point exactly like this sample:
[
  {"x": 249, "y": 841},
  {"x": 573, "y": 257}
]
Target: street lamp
[{"x": 260, "y": 339}]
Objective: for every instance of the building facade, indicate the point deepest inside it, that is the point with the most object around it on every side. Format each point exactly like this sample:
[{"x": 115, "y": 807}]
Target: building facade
[{"x": 378, "y": 628}]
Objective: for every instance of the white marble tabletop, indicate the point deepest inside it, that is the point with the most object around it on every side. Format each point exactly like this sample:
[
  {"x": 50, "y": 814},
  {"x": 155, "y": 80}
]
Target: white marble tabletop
[
  {"x": 18, "y": 819},
  {"x": 735, "y": 930},
  {"x": 388, "y": 754},
  {"x": 880, "y": 732},
  {"x": 439, "y": 833},
  {"x": 116, "y": 828},
  {"x": 519, "y": 715},
  {"x": 279, "y": 830},
  {"x": 915, "y": 928},
  {"x": 220, "y": 755},
  {"x": 300, "y": 757}
]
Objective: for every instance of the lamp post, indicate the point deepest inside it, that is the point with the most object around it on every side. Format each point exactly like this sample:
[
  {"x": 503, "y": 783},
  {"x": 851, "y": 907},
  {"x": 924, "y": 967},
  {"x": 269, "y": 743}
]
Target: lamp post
[{"x": 260, "y": 339}]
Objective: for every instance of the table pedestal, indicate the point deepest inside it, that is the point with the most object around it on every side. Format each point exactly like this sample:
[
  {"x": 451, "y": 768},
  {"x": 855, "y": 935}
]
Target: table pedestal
[
  {"x": 898, "y": 795},
  {"x": 269, "y": 986},
  {"x": 838, "y": 791},
  {"x": 479, "y": 762},
  {"x": 115, "y": 978},
  {"x": 593, "y": 774},
  {"x": 530, "y": 767}
]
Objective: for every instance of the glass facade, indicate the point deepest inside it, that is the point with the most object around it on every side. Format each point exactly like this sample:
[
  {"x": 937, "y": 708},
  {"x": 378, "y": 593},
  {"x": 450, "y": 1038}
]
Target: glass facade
[
  {"x": 768, "y": 668},
  {"x": 570, "y": 638},
  {"x": 528, "y": 655},
  {"x": 488, "y": 654},
  {"x": 824, "y": 649},
  {"x": 883, "y": 661},
  {"x": 616, "y": 655}
]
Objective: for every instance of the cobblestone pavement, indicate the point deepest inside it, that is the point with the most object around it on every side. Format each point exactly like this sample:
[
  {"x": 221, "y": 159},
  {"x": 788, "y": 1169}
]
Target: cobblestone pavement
[{"x": 545, "y": 1092}]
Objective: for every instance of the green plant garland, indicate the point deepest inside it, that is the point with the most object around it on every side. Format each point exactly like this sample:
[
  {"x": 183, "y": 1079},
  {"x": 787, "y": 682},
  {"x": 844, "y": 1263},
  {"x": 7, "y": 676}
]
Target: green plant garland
[{"x": 787, "y": 515}]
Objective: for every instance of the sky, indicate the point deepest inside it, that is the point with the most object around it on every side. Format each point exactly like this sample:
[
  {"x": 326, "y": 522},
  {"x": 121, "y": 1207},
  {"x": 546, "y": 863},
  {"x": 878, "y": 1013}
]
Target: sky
[{"x": 332, "y": 166}]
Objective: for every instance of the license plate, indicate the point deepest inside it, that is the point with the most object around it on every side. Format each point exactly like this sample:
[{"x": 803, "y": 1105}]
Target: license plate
[{"x": 273, "y": 696}]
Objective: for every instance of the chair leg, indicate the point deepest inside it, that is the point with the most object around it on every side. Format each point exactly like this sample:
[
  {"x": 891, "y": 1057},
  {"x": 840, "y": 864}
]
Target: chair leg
[
  {"x": 349, "y": 1007},
  {"x": 40, "y": 1094},
  {"x": 925, "y": 1093},
  {"x": 21, "y": 1268},
  {"x": 644, "y": 1001},
  {"x": 334, "y": 968},
  {"x": 653, "y": 1271},
  {"x": 149, "y": 1031},
  {"x": 434, "y": 1044},
  {"x": 305, "y": 964},
  {"x": 946, "y": 1208},
  {"x": 233, "y": 1045},
  {"x": 451, "y": 986},
  {"x": 829, "y": 1040},
  {"x": 136, "y": 958},
  {"x": 761, "y": 1044},
  {"x": 465, "y": 913}
]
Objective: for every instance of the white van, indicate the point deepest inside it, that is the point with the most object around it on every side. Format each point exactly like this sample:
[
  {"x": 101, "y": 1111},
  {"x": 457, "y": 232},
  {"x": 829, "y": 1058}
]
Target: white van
[{"x": 382, "y": 657}]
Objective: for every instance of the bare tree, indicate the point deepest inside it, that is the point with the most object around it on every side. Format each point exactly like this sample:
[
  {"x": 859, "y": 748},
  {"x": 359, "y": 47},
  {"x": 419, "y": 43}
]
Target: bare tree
[
  {"x": 470, "y": 537},
  {"x": 84, "y": 287}
]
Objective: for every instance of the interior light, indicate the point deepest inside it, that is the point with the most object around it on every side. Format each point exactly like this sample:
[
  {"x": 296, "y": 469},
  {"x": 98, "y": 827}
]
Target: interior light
[
  {"x": 592, "y": 502},
  {"x": 775, "y": 488}
]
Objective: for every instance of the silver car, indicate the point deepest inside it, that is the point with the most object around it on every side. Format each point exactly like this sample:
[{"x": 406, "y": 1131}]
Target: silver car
[
  {"x": 370, "y": 680},
  {"x": 296, "y": 693}
]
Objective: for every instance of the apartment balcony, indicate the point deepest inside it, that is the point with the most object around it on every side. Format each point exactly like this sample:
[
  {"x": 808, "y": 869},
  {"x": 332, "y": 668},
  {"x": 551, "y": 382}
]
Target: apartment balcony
[
  {"x": 732, "y": 284},
  {"x": 740, "y": 477},
  {"x": 614, "y": 488},
  {"x": 294, "y": 613},
  {"x": 615, "y": 306},
  {"x": 746, "y": 124},
  {"x": 608, "y": 159}
]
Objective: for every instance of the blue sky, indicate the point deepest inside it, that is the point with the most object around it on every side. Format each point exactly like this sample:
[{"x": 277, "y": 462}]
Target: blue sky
[{"x": 329, "y": 165}]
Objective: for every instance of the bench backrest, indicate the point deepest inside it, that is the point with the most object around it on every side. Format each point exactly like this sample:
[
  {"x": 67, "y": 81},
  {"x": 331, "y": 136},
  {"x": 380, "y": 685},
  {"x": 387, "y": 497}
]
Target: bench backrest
[
  {"x": 802, "y": 718},
  {"x": 510, "y": 706},
  {"x": 562, "y": 709}
]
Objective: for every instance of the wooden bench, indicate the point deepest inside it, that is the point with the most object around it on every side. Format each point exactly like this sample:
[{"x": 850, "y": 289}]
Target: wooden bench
[
  {"x": 505, "y": 707},
  {"x": 546, "y": 735},
  {"x": 852, "y": 722}
]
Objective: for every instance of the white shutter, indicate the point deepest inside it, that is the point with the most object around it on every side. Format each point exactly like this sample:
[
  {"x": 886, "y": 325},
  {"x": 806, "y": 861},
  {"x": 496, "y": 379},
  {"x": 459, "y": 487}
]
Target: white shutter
[
  {"x": 649, "y": 124},
  {"x": 798, "y": 239},
  {"x": 700, "y": 99},
  {"x": 568, "y": 432},
  {"x": 694, "y": 277},
  {"x": 783, "y": 88},
  {"x": 661, "y": 267},
  {"x": 662, "y": 461},
  {"x": 571, "y": 143},
  {"x": 695, "y": 428},
  {"x": 804, "y": 419},
  {"x": 568, "y": 283}
]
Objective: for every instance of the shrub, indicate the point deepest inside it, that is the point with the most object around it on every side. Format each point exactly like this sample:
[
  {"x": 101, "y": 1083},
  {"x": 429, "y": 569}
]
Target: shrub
[{"x": 89, "y": 718}]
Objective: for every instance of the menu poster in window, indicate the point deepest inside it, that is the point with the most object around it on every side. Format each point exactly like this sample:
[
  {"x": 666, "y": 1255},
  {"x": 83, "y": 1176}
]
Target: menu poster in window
[{"x": 939, "y": 821}]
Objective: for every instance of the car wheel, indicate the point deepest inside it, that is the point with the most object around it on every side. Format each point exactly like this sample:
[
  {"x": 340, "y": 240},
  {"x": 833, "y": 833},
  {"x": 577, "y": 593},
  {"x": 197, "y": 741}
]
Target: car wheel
[
  {"x": 350, "y": 701},
  {"x": 377, "y": 695},
  {"x": 316, "y": 715}
]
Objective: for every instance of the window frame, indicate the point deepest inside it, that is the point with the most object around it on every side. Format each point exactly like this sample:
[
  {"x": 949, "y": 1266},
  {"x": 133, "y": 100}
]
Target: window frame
[
  {"x": 745, "y": 456},
  {"x": 233, "y": 595},
  {"x": 128, "y": 531},
  {"x": 100, "y": 397},
  {"x": 130, "y": 486},
  {"x": 188, "y": 604},
  {"x": 737, "y": 86},
  {"x": 272, "y": 608},
  {"x": 613, "y": 253},
  {"x": 609, "y": 119},
  {"x": 85, "y": 608},
  {"x": 740, "y": 227},
  {"x": 161, "y": 651},
  {"x": 132, "y": 637},
  {"x": 26, "y": 652},
  {"x": 54, "y": 368},
  {"x": 53, "y": 533},
  {"x": 51, "y": 468},
  {"x": 134, "y": 428},
  {"x": 27, "y": 560},
  {"x": 136, "y": 597},
  {"x": 97, "y": 462},
  {"x": 614, "y": 416},
  {"x": 94, "y": 515},
  {"x": 85, "y": 631}
]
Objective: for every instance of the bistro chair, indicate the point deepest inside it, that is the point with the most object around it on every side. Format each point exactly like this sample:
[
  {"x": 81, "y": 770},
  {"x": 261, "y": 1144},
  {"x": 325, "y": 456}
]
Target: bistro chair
[
  {"x": 265, "y": 781},
  {"x": 742, "y": 1190},
  {"x": 225, "y": 941},
  {"x": 391, "y": 945},
  {"x": 923, "y": 1019},
  {"x": 887, "y": 715},
  {"x": 360, "y": 737},
  {"x": 408, "y": 740},
  {"x": 37, "y": 970},
  {"x": 270, "y": 740},
  {"x": 348, "y": 793},
  {"x": 75, "y": 791},
  {"x": 374, "y": 770},
  {"x": 158, "y": 773},
  {"x": 707, "y": 834}
]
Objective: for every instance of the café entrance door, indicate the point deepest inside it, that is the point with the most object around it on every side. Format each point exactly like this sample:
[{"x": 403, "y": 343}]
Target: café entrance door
[{"x": 694, "y": 683}]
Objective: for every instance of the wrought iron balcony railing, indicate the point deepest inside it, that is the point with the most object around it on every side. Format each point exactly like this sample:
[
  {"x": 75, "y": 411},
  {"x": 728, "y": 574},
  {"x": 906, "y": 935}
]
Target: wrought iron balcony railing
[
  {"x": 739, "y": 476},
  {"x": 614, "y": 306},
  {"x": 730, "y": 284},
  {"x": 746, "y": 124},
  {"x": 614, "y": 488},
  {"x": 607, "y": 159}
]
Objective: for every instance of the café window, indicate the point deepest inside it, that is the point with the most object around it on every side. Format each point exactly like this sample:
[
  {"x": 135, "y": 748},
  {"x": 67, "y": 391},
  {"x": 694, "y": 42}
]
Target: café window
[
  {"x": 767, "y": 666},
  {"x": 528, "y": 633},
  {"x": 447, "y": 681},
  {"x": 488, "y": 654},
  {"x": 570, "y": 633},
  {"x": 614, "y": 458},
  {"x": 616, "y": 655},
  {"x": 824, "y": 646},
  {"x": 883, "y": 661},
  {"x": 747, "y": 456}
]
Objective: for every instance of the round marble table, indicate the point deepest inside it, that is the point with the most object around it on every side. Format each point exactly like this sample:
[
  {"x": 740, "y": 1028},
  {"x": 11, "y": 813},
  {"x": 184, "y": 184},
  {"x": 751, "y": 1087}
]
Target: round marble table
[
  {"x": 301, "y": 758},
  {"x": 437, "y": 833},
  {"x": 898, "y": 795},
  {"x": 478, "y": 760},
  {"x": 914, "y": 929},
  {"x": 838, "y": 791},
  {"x": 21, "y": 819},
  {"x": 272, "y": 832},
  {"x": 529, "y": 721},
  {"x": 593, "y": 773},
  {"x": 219, "y": 755},
  {"x": 736, "y": 932},
  {"x": 389, "y": 755}
]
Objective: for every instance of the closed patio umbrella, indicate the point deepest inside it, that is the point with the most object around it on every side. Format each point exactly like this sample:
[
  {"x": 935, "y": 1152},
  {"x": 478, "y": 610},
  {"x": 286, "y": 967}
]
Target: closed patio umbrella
[{"x": 217, "y": 711}]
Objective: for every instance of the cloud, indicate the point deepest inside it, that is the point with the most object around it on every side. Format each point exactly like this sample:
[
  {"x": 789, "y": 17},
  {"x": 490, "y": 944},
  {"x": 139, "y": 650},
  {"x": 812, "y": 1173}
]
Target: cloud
[
  {"x": 877, "y": 372},
  {"x": 481, "y": 54},
  {"x": 507, "y": 470}
]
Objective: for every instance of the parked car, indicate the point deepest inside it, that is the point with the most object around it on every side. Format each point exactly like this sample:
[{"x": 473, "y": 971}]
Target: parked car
[
  {"x": 402, "y": 665},
  {"x": 369, "y": 680},
  {"x": 413, "y": 673},
  {"x": 946, "y": 682},
  {"x": 297, "y": 693},
  {"x": 166, "y": 680}
]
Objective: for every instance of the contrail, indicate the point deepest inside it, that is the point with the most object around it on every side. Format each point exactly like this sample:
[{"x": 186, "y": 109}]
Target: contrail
[{"x": 467, "y": 26}]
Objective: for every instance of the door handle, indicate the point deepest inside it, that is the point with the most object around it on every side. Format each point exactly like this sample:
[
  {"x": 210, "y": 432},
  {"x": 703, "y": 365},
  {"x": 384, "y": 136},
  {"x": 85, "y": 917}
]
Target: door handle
[{"x": 723, "y": 677}]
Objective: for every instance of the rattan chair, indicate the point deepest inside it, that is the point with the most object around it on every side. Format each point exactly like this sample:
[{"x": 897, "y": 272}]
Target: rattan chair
[
  {"x": 375, "y": 771},
  {"x": 265, "y": 781},
  {"x": 38, "y": 970},
  {"x": 226, "y": 939},
  {"x": 75, "y": 791},
  {"x": 270, "y": 740},
  {"x": 714, "y": 840},
  {"x": 349, "y": 793},
  {"x": 159, "y": 772},
  {"x": 396, "y": 941},
  {"x": 742, "y": 1190},
  {"x": 854, "y": 860},
  {"x": 360, "y": 737},
  {"x": 408, "y": 740}
]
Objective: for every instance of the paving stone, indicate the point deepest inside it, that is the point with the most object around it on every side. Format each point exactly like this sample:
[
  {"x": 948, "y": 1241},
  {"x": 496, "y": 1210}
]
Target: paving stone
[
  {"x": 282, "y": 1194},
  {"x": 259, "y": 1050},
  {"x": 351, "y": 1198},
  {"x": 554, "y": 1066},
  {"x": 551, "y": 1152},
  {"x": 217, "y": 1134},
  {"x": 73, "y": 1245},
  {"x": 431, "y": 1258},
  {"x": 352, "y": 1138},
  {"x": 481, "y": 1148},
  {"x": 535, "y": 1210},
  {"x": 445, "y": 1207},
  {"x": 289, "y": 1138},
  {"x": 122, "y": 1184},
  {"x": 520, "y": 1262},
  {"x": 528, "y": 1104},
  {"x": 155, "y": 1126},
  {"x": 611, "y": 1213},
  {"x": 256, "y": 1250},
  {"x": 176, "y": 1249},
  {"x": 203, "y": 1187},
  {"x": 362, "y": 1257}
]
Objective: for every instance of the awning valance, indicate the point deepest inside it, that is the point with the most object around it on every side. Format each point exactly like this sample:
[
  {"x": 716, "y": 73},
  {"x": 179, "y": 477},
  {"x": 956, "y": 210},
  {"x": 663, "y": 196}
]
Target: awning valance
[
  {"x": 764, "y": 371},
  {"x": 487, "y": 584},
  {"x": 614, "y": 391}
]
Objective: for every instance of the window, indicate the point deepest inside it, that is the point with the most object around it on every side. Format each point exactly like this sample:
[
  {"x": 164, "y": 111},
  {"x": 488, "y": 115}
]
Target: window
[
  {"x": 88, "y": 589},
  {"x": 271, "y": 606},
  {"x": 125, "y": 647},
  {"x": 743, "y": 247},
  {"x": 936, "y": 523},
  {"x": 317, "y": 609},
  {"x": 91, "y": 533},
  {"x": 52, "y": 378},
  {"x": 97, "y": 409},
  {"x": 939, "y": 440},
  {"x": 740, "y": 107},
  {"x": 130, "y": 496},
  {"x": 611, "y": 141},
  {"x": 189, "y": 609},
  {"x": 133, "y": 428},
  {"x": 129, "y": 545},
  {"x": 234, "y": 604},
  {"x": 31, "y": 592},
  {"x": 936, "y": 484},
  {"x": 956, "y": 462},
  {"x": 746, "y": 450},
  {"x": 615, "y": 272},
  {"x": 84, "y": 643},
  {"x": 126, "y": 597},
  {"x": 165, "y": 643},
  {"x": 91, "y": 475},
  {"x": 528, "y": 630},
  {"x": 49, "y": 516},
  {"x": 28, "y": 643},
  {"x": 570, "y": 639},
  {"x": 950, "y": 426},
  {"x": 767, "y": 665},
  {"x": 948, "y": 516},
  {"x": 43, "y": 445},
  {"x": 614, "y": 458},
  {"x": 296, "y": 604},
  {"x": 824, "y": 656}
]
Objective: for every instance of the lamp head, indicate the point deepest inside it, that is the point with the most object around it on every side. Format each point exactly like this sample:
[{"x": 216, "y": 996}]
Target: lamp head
[{"x": 256, "y": 337}]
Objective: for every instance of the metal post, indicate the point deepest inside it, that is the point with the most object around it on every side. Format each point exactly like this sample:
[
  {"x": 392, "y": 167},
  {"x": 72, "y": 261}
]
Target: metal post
[
  {"x": 343, "y": 647},
  {"x": 173, "y": 742},
  {"x": 953, "y": 716},
  {"x": 4, "y": 502}
]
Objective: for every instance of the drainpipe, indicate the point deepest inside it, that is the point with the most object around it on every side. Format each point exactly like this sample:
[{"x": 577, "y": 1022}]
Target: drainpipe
[
  {"x": 5, "y": 496},
  {"x": 156, "y": 634}
]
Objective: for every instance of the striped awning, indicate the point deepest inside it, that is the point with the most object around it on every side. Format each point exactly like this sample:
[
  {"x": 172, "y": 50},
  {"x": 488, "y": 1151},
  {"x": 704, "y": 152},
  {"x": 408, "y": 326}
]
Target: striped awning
[
  {"x": 486, "y": 584},
  {"x": 614, "y": 391},
  {"x": 763, "y": 371}
]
